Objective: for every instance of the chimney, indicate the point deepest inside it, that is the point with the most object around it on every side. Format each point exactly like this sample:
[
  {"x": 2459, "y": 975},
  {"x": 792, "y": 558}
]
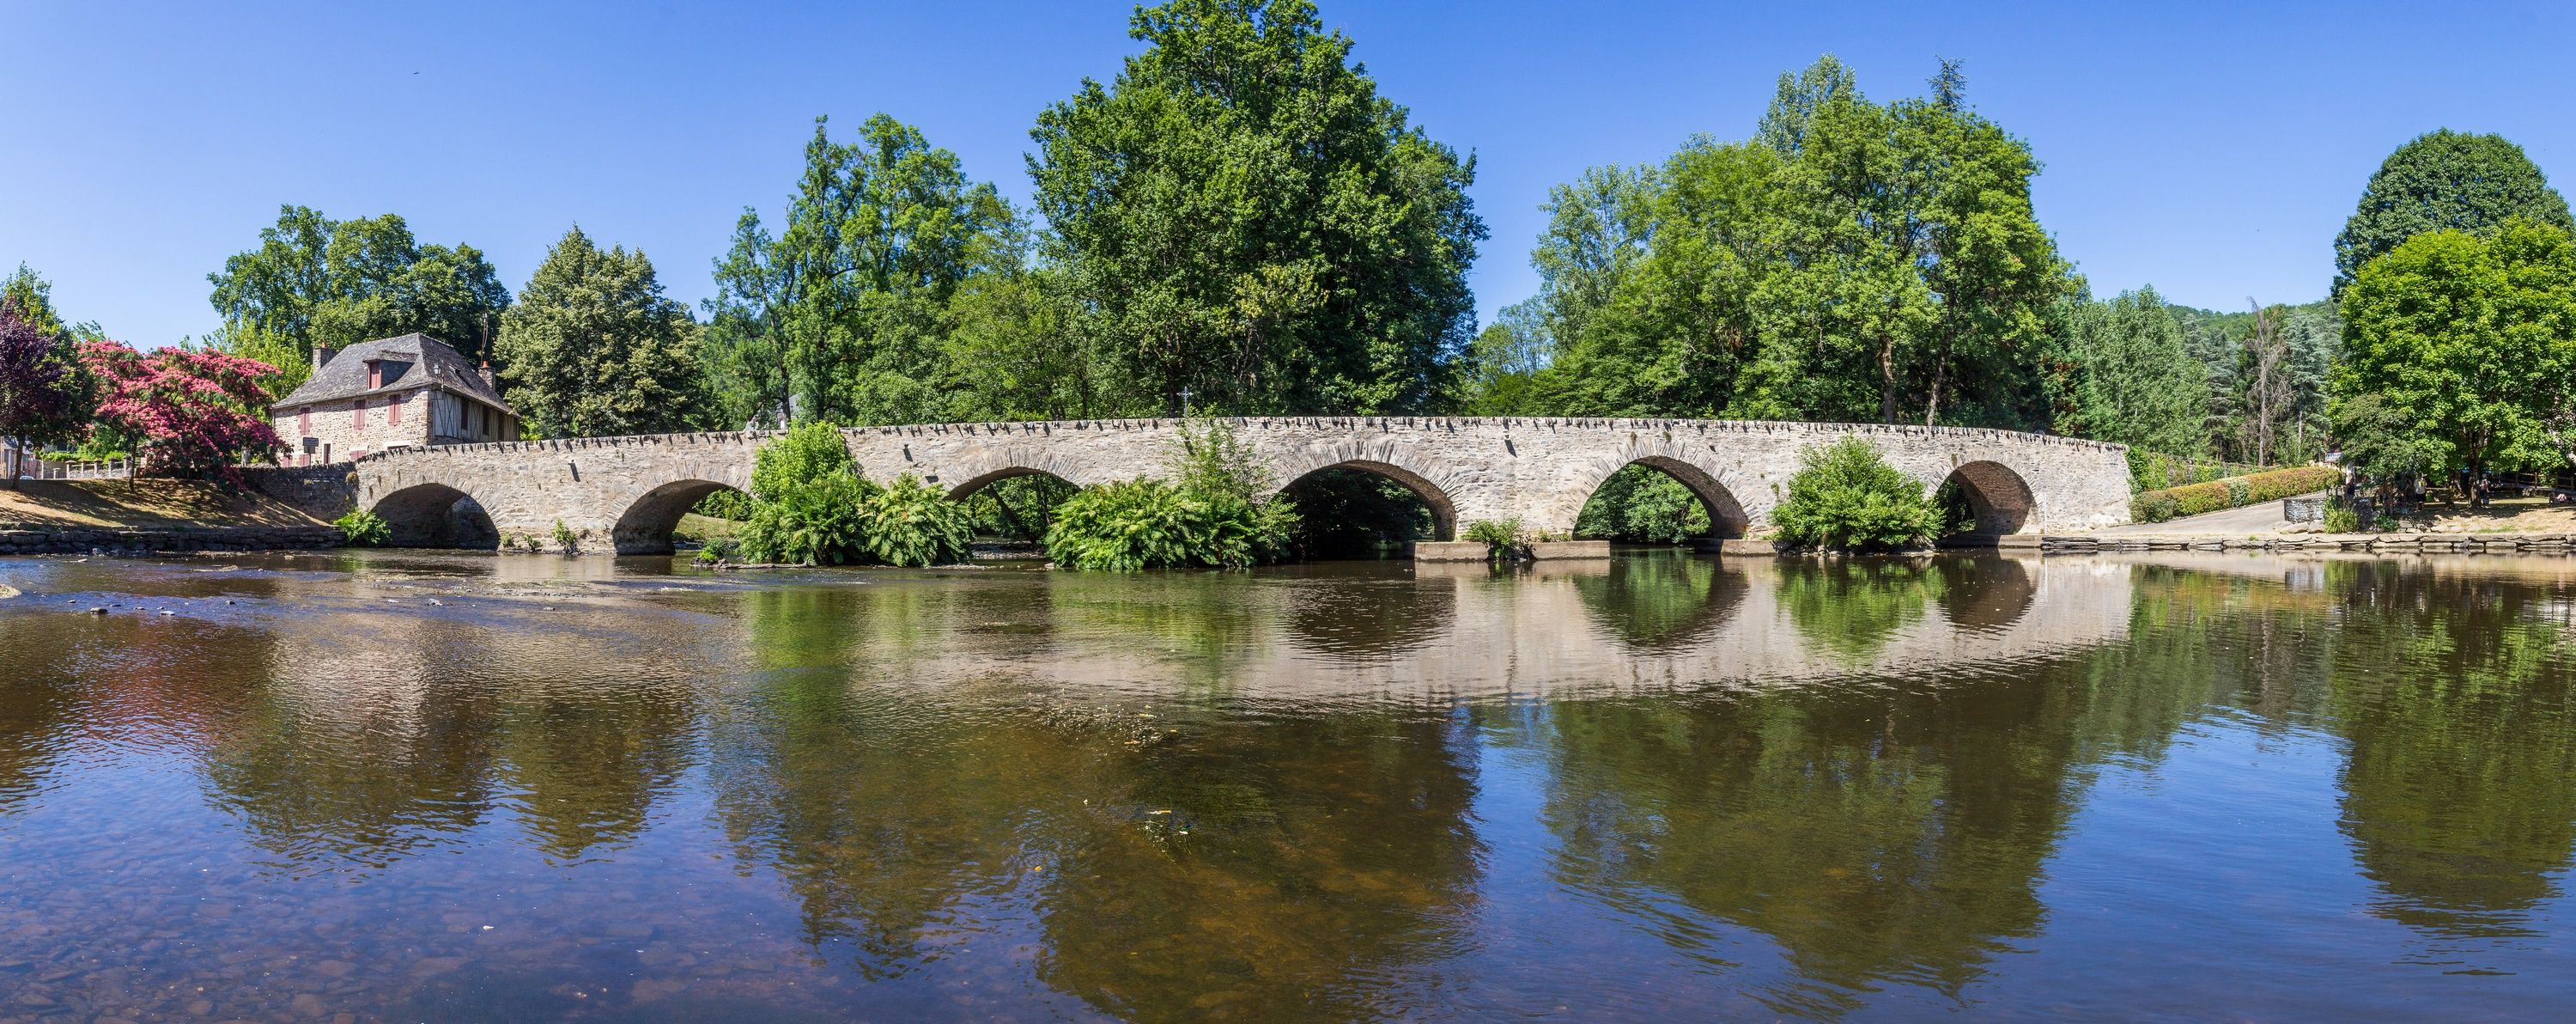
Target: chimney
[
  {"x": 488, "y": 382},
  {"x": 321, "y": 357}
]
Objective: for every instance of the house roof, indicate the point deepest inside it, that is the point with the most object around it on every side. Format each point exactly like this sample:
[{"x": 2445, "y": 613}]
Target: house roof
[{"x": 435, "y": 364}]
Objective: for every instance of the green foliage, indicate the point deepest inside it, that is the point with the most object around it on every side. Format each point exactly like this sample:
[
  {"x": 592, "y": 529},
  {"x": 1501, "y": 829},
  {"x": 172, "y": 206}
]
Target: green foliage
[
  {"x": 1245, "y": 218},
  {"x": 2121, "y": 371},
  {"x": 317, "y": 281},
  {"x": 566, "y": 539},
  {"x": 805, "y": 454},
  {"x": 1846, "y": 497},
  {"x": 2444, "y": 181},
  {"x": 2469, "y": 336},
  {"x": 841, "y": 315},
  {"x": 1643, "y": 505},
  {"x": 1209, "y": 513},
  {"x": 1502, "y": 538},
  {"x": 594, "y": 349},
  {"x": 2233, "y": 492},
  {"x": 2341, "y": 518},
  {"x": 2155, "y": 471},
  {"x": 910, "y": 523},
  {"x": 720, "y": 551},
  {"x": 726, "y": 504},
  {"x": 1154, "y": 524},
  {"x": 1861, "y": 262},
  {"x": 1853, "y": 607},
  {"x": 811, "y": 507},
  {"x": 363, "y": 529}
]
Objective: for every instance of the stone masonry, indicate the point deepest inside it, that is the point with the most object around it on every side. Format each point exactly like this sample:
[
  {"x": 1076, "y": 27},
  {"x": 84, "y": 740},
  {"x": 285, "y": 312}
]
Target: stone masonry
[{"x": 626, "y": 493}]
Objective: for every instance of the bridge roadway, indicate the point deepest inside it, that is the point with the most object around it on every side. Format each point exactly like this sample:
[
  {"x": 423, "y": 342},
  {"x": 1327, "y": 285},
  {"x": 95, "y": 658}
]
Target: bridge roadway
[{"x": 629, "y": 492}]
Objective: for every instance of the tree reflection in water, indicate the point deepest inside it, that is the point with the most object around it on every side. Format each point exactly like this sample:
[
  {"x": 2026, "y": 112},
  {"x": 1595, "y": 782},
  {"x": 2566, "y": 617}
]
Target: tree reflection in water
[
  {"x": 1851, "y": 607},
  {"x": 1655, "y": 600}
]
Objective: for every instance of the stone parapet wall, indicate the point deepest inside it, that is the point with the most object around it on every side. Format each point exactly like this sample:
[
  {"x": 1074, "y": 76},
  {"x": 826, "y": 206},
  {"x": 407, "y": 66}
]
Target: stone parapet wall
[
  {"x": 626, "y": 492},
  {"x": 84, "y": 540}
]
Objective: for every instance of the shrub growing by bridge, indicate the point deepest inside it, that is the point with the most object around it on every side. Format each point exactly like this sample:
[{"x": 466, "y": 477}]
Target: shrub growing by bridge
[
  {"x": 1213, "y": 515},
  {"x": 1845, "y": 497},
  {"x": 810, "y": 507}
]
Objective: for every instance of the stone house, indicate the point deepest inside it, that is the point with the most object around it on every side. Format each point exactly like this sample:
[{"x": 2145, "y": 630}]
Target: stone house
[{"x": 410, "y": 391}]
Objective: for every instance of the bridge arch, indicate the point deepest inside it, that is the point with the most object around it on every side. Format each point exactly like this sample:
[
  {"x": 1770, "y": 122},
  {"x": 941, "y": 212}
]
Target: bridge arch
[
  {"x": 436, "y": 515},
  {"x": 1999, "y": 499},
  {"x": 644, "y": 528},
  {"x": 1692, "y": 467},
  {"x": 1429, "y": 479}
]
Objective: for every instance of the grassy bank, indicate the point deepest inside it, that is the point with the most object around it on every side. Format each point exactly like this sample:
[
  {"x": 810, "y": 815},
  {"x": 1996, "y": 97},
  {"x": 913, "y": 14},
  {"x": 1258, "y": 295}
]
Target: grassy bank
[{"x": 139, "y": 504}]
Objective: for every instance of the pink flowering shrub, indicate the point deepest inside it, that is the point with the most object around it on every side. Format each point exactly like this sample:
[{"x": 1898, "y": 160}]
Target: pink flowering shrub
[{"x": 187, "y": 413}]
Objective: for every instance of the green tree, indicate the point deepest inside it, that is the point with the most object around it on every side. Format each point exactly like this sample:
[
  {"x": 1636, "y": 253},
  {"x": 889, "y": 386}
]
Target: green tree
[
  {"x": 317, "y": 281},
  {"x": 840, "y": 316},
  {"x": 1793, "y": 104},
  {"x": 2444, "y": 180},
  {"x": 2467, "y": 335},
  {"x": 1506, "y": 360},
  {"x": 2130, "y": 377},
  {"x": 1845, "y": 496},
  {"x": 1598, "y": 227},
  {"x": 593, "y": 348},
  {"x": 1254, "y": 224},
  {"x": 34, "y": 298}
]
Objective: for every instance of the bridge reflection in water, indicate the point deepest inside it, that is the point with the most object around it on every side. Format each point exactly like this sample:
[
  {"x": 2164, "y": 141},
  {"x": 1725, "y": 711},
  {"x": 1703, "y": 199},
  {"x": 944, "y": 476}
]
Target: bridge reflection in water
[{"x": 1766, "y": 787}]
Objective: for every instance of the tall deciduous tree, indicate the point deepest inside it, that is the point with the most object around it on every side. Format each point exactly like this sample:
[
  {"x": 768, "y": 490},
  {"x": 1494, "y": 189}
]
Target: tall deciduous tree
[
  {"x": 839, "y": 314},
  {"x": 2444, "y": 180},
  {"x": 45, "y": 395},
  {"x": 1250, "y": 221},
  {"x": 184, "y": 412},
  {"x": 2128, "y": 376},
  {"x": 593, "y": 348},
  {"x": 317, "y": 281},
  {"x": 2469, "y": 336}
]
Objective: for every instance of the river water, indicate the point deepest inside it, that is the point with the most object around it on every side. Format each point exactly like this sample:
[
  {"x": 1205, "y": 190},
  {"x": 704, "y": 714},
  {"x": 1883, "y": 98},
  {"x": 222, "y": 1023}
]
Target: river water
[{"x": 448, "y": 786}]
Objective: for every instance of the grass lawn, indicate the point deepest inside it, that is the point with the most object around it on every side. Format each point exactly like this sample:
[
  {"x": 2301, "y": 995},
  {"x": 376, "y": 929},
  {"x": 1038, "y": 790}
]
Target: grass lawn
[{"x": 700, "y": 529}]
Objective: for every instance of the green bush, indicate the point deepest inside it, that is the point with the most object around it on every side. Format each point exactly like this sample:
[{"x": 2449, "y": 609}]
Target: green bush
[
  {"x": 1209, "y": 514},
  {"x": 719, "y": 551},
  {"x": 364, "y": 529},
  {"x": 2233, "y": 492},
  {"x": 1846, "y": 497},
  {"x": 1502, "y": 538},
  {"x": 569, "y": 541},
  {"x": 2340, "y": 517},
  {"x": 1155, "y": 524},
  {"x": 810, "y": 507}
]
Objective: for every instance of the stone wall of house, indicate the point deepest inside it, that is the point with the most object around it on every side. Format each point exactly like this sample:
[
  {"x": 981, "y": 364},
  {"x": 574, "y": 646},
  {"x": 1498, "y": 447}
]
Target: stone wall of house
[
  {"x": 334, "y": 424},
  {"x": 625, "y": 492}
]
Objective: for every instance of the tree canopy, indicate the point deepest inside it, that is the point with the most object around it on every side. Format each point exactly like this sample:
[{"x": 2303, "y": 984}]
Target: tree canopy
[
  {"x": 1244, "y": 218},
  {"x": 317, "y": 281},
  {"x": 2126, "y": 375},
  {"x": 593, "y": 348},
  {"x": 1856, "y": 261},
  {"x": 840, "y": 315},
  {"x": 2444, "y": 180},
  {"x": 2468, "y": 335}
]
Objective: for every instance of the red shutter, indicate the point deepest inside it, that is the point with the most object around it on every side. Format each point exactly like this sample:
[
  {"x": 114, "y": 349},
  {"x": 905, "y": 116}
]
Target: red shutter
[
  {"x": 393, "y": 412},
  {"x": 304, "y": 421},
  {"x": 358, "y": 414}
]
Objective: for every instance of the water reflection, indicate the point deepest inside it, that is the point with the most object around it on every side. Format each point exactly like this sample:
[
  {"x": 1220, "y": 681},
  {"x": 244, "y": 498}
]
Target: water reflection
[{"x": 613, "y": 789}]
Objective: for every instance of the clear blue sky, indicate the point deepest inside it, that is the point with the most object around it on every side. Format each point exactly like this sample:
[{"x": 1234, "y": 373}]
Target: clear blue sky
[{"x": 2209, "y": 150}]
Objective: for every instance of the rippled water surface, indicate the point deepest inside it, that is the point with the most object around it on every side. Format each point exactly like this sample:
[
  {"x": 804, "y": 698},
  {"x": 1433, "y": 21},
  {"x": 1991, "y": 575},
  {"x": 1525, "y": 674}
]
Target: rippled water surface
[{"x": 431, "y": 786}]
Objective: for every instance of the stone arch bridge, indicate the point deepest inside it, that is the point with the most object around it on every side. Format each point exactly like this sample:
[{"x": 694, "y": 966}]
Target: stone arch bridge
[{"x": 627, "y": 493}]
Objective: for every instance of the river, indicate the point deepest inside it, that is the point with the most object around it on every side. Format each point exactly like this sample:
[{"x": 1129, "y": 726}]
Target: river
[{"x": 451, "y": 786}]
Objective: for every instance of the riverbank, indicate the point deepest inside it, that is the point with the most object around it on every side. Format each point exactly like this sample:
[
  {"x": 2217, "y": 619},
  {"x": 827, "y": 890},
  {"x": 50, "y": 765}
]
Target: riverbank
[
  {"x": 2380, "y": 543},
  {"x": 139, "y": 516}
]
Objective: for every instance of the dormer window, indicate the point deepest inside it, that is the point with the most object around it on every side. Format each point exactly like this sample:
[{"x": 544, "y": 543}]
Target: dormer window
[{"x": 375, "y": 374}]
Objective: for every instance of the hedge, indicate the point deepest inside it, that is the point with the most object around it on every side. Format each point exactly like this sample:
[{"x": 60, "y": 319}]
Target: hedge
[{"x": 2233, "y": 492}]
